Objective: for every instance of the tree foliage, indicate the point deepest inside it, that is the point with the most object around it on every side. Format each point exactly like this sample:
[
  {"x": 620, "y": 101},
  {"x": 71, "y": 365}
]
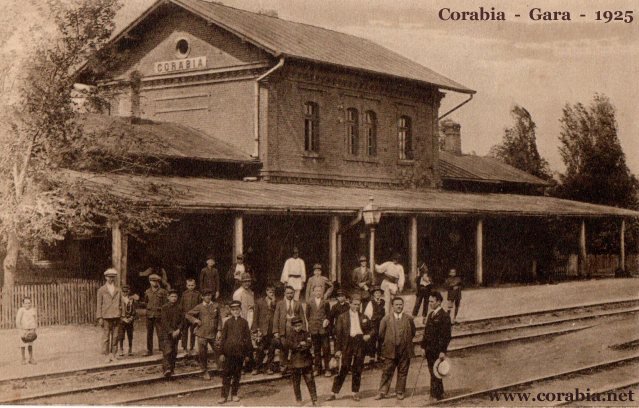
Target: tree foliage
[
  {"x": 596, "y": 169},
  {"x": 44, "y": 148},
  {"x": 519, "y": 145}
]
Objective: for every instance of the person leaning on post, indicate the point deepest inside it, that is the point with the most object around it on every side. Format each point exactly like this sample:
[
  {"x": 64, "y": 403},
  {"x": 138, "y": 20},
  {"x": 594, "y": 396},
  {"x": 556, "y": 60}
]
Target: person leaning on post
[
  {"x": 208, "y": 321},
  {"x": 108, "y": 313}
]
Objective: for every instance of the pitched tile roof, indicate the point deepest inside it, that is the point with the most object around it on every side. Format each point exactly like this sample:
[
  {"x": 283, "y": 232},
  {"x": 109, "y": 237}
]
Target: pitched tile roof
[
  {"x": 172, "y": 140},
  {"x": 206, "y": 194},
  {"x": 284, "y": 38},
  {"x": 483, "y": 169}
]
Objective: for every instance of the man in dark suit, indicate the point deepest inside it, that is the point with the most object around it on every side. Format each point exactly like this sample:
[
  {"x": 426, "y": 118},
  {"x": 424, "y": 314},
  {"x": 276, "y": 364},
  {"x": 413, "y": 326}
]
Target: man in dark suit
[
  {"x": 208, "y": 321},
  {"x": 397, "y": 330},
  {"x": 171, "y": 326},
  {"x": 317, "y": 312},
  {"x": 298, "y": 342},
  {"x": 262, "y": 329},
  {"x": 236, "y": 347},
  {"x": 338, "y": 308},
  {"x": 285, "y": 311},
  {"x": 352, "y": 331},
  {"x": 437, "y": 334}
]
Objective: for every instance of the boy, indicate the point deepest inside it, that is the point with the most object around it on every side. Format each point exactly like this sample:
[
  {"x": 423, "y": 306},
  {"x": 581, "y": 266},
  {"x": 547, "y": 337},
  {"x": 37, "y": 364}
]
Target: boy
[
  {"x": 26, "y": 323},
  {"x": 128, "y": 314},
  {"x": 375, "y": 310},
  {"x": 190, "y": 299},
  {"x": 209, "y": 277},
  {"x": 207, "y": 319},
  {"x": 301, "y": 360},
  {"x": 236, "y": 348},
  {"x": 262, "y": 328},
  {"x": 318, "y": 281},
  {"x": 155, "y": 297},
  {"x": 317, "y": 313},
  {"x": 424, "y": 286},
  {"x": 171, "y": 325},
  {"x": 454, "y": 286}
]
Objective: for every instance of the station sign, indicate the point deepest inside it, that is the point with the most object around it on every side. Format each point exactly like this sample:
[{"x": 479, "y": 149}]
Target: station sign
[{"x": 185, "y": 64}]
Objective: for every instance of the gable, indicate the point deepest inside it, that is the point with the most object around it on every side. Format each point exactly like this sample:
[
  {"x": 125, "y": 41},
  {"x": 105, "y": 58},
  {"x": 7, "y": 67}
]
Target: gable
[{"x": 151, "y": 47}]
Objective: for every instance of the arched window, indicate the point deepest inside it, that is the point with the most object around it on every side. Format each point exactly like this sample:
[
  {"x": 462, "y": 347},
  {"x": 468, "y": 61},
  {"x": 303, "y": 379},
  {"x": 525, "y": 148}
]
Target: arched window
[
  {"x": 370, "y": 130},
  {"x": 405, "y": 138},
  {"x": 352, "y": 130},
  {"x": 311, "y": 127}
]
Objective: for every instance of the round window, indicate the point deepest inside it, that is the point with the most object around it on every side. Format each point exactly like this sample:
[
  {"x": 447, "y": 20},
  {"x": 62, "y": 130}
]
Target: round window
[{"x": 182, "y": 48}]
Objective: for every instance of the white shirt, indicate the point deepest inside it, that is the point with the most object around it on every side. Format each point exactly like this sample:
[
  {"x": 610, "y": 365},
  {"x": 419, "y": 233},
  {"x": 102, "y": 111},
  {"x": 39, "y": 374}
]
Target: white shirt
[
  {"x": 318, "y": 301},
  {"x": 239, "y": 270},
  {"x": 355, "y": 326},
  {"x": 110, "y": 288},
  {"x": 397, "y": 316},
  {"x": 392, "y": 269},
  {"x": 294, "y": 273},
  {"x": 431, "y": 314}
]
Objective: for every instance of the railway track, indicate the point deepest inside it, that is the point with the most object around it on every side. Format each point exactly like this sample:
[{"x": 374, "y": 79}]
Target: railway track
[{"x": 49, "y": 388}]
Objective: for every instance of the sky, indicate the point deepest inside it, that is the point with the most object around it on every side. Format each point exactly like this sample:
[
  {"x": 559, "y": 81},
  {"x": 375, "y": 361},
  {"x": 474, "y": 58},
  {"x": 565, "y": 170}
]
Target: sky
[{"x": 537, "y": 64}]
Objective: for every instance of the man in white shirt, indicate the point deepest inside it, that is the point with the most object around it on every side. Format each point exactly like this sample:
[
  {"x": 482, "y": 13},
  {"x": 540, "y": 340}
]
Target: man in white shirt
[
  {"x": 393, "y": 283},
  {"x": 294, "y": 273},
  {"x": 352, "y": 331}
]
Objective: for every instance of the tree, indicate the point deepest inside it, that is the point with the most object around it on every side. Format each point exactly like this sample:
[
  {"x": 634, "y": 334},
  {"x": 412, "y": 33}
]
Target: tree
[
  {"x": 519, "y": 146},
  {"x": 44, "y": 148},
  {"x": 596, "y": 169}
]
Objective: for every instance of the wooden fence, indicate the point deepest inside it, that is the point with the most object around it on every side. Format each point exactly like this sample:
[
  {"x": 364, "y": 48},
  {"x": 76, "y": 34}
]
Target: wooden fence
[
  {"x": 72, "y": 301},
  {"x": 605, "y": 265}
]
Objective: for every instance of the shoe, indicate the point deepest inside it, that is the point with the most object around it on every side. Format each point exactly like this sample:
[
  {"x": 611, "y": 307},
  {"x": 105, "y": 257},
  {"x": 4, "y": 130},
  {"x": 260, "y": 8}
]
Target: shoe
[
  {"x": 400, "y": 396},
  {"x": 327, "y": 374},
  {"x": 270, "y": 372},
  {"x": 331, "y": 397},
  {"x": 130, "y": 353},
  {"x": 108, "y": 359},
  {"x": 356, "y": 397},
  {"x": 255, "y": 372},
  {"x": 148, "y": 353},
  {"x": 380, "y": 396},
  {"x": 316, "y": 373},
  {"x": 314, "y": 403},
  {"x": 236, "y": 398},
  {"x": 32, "y": 361},
  {"x": 167, "y": 373},
  {"x": 24, "y": 361},
  {"x": 121, "y": 354},
  {"x": 221, "y": 401},
  {"x": 207, "y": 377},
  {"x": 113, "y": 357}
]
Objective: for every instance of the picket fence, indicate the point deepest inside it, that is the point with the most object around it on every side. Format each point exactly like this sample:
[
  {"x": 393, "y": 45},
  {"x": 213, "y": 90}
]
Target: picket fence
[{"x": 72, "y": 301}]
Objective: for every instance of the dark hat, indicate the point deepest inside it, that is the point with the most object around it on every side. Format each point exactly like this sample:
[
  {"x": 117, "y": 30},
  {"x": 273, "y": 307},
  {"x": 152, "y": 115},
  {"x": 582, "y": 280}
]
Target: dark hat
[
  {"x": 296, "y": 320},
  {"x": 340, "y": 292},
  {"x": 356, "y": 296},
  {"x": 317, "y": 266},
  {"x": 362, "y": 258},
  {"x": 125, "y": 287},
  {"x": 155, "y": 277},
  {"x": 210, "y": 256},
  {"x": 173, "y": 292},
  {"x": 239, "y": 256},
  {"x": 245, "y": 277},
  {"x": 207, "y": 292},
  {"x": 235, "y": 303},
  {"x": 376, "y": 289}
]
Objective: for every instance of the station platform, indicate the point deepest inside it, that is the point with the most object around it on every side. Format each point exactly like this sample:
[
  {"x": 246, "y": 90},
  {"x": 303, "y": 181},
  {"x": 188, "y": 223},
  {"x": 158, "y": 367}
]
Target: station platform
[{"x": 77, "y": 347}]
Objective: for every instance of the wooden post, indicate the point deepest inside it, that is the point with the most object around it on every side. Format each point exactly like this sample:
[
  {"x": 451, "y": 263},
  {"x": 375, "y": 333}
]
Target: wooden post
[
  {"x": 479, "y": 249},
  {"x": 583, "y": 255},
  {"x": 332, "y": 247},
  {"x": 412, "y": 244},
  {"x": 371, "y": 253},
  {"x": 622, "y": 246},
  {"x": 119, "y": 249},
  {"x": 339, "y": 258},
  {"x": 238, "y": 236}
]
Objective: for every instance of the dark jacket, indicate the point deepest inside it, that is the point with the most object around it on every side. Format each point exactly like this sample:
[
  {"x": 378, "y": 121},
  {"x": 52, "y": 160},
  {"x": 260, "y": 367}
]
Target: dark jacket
[
  {"x": 190, "y": 299},
  {"x": 171, "y": 318},
  {"x": 128, "y": 309},
  {"x": 437, "y": 332},
  {"x": 281, "y": 324},
  {"x": 210, "y": 317},
  {"x": 154, "y": 300},
  {"x": 336, "y": 311},
  {"x": 263, "y": 316},
  {"x": 300, "y": 354},
  {"x": 236, "y": 338},
  {"x": 403, "y": 331},
  {"x": 343, "y": 329},
  {"x": 209, "y": 279},
  {"x": 378, "y": 310},
  {"x": 454, "y": 286},
  {"x": 316, "y": 316}
]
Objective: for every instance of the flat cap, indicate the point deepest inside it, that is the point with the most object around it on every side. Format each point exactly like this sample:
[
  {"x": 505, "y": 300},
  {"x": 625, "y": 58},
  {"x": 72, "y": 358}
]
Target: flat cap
[
  {"x": 235, "y": 303},
  {"x": 155, "y": 277},
  {"x": 296, "y": 320},
  {"x": 111, "y": 272}
]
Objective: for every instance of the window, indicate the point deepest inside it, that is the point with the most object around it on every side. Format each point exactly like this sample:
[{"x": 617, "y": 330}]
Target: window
[
  {"x": 182, "y": 48},
  {"x": 370, "y": 130},
  {"x": 405, "y": 136},
  {"x": 311, "y": 127},
  {"x": 352, "y": 130}
]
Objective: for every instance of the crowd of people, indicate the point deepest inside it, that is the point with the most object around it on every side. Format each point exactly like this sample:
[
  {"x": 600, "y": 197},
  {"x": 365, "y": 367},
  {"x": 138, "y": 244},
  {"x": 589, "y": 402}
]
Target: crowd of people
[{"x": 312, "y": 334}]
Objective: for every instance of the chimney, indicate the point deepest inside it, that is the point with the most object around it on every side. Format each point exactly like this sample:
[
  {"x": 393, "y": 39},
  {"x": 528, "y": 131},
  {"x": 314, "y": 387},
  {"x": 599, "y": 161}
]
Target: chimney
[{"x": 451, "y": 136}]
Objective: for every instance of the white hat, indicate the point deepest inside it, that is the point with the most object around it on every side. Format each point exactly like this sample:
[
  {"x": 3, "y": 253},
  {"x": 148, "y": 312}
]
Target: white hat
[
  {"x": 441, "y": 368},
  {"x": 111, "y": 272}
]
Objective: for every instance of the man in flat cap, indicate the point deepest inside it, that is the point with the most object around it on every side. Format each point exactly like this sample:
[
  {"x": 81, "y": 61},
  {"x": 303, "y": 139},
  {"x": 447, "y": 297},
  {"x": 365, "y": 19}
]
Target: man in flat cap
[
  {"x": 108, "y": 313},
  {"x": 207, "y": 318},
  {"x": 210, "y": 278},
  {"x": 236, "y": 348},
  {"x": 294, "y": 273},
  {"x": 361, "y": 280},
  {"x": 319, "y": 281},
  {"x": 171, "y": 326},
  {"x": 154, "y": 297}
]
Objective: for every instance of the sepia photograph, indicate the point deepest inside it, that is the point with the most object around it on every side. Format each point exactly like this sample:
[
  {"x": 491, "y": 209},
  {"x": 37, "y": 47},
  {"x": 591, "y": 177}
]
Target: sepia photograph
[{"x": 355, "y": 203}]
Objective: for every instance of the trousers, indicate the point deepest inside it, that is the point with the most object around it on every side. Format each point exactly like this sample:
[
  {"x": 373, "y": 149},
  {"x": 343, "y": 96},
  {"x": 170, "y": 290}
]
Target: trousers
[
  {"x": 231, "y": 374},
  {"x": 296, "y": 378},
  {"x": 401, "y": 363},
  {"x": 321, "y": 351},
  {"x": 169, "y": 347},
  {"x": 109, "y": 335},
  {"x": 423, "y": 293},
  {"x": 152, "y": 323},
  {"x": 203, "y": 351},
  {"x": 265, "y": 348},
  {"x": 125, "y": 329},
  {"x": 353, "y": 360},
  {"x": 186, "y": 340},
  {"x": 436, "y": 384}
]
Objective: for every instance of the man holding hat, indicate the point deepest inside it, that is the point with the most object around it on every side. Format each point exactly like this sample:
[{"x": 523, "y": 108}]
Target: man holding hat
[
  {"x": 171, "y": 326},
  {"x": 299, "y": 343},
  {"x": 437, "y": 334},
  {"x": 209, "y": 277},
  {"x": 108, "y": 313},
  {"x": 236, "y": 347},
  {"x": 317, "y": 280},
  {"x": 206, "y": 316},
  {"x": 361, "y": 279},
  {"x": 393, "y": 281},
  {"x": 155, "y": 297},
  {"x": 236, "y": 270},
  {"x": 375, "y": 311},
  {"x": 294, "y": 273}
]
